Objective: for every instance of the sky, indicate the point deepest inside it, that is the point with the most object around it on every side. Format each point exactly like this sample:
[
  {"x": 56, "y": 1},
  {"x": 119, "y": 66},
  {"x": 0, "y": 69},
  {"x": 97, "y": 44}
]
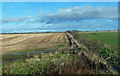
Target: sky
[
  {"x": 60, "y": 0},
  {"x": 58, "y": 16}
]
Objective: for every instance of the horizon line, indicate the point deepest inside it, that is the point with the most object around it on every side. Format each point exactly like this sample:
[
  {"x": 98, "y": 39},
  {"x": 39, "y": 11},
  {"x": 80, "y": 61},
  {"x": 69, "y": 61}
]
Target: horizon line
[{"x": 56, "y": 31}]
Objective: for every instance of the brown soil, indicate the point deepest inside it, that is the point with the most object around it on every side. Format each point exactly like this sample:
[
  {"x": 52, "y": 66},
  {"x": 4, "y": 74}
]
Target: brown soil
[{"x": 18, "y": 42}]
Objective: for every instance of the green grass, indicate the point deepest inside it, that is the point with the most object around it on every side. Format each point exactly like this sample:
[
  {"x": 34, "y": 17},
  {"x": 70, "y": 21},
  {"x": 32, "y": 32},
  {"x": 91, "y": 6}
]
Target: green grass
[
  {"x": 108, "y": 52},
  {"x": 6, "y": 58},
  {"x": 109, "y": 38},
  {"x": 34, "y": 65},
  {"x": 103, "y": 44},
  {"x": 63, "y": 46}
]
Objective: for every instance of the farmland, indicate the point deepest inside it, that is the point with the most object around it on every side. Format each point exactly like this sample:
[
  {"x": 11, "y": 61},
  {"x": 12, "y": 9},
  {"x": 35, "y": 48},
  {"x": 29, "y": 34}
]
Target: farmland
[
  {"x": 109, "y": 38},
  {"x": 21, "y": 42},
  {"x": 103, "y": 44},
  {"x": 53, "y": 53},
  {"x": 18, "y": 46}
]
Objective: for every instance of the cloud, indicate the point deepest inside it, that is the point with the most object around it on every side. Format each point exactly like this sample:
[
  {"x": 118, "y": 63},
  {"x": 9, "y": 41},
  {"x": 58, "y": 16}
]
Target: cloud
[
  {"x": 80, "y": 17},
  {"x": 20, "y": 19},
  {"x": 36, "y": 20},
  {"x": 80, "y": 13},
  {"x": 84, "y": 25}
]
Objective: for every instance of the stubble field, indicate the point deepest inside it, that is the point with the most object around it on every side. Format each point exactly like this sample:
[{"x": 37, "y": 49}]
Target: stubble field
[{"x": 21, "y": 42}]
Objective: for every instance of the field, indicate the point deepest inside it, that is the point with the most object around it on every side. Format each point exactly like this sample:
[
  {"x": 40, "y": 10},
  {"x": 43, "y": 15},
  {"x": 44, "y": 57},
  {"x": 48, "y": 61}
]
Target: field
[
  {"x": 109, "y": 38},
  {"x": 103, "y": 44},
  {"x": 23, "y": 42},
  {"x": 56, "y": 53},
  {"x": 19, "y": 46}
]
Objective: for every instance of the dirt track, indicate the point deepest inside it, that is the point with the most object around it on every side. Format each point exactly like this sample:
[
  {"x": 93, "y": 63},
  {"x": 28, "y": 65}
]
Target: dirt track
[{"x": 15, "y": 42}]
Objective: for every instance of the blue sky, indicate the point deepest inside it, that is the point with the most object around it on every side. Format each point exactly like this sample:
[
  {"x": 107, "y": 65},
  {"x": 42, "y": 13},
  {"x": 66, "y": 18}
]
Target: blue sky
[{"x": 59, "y": 16}]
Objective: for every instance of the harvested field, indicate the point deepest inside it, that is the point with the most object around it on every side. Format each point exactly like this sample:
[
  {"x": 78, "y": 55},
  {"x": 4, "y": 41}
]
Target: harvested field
[{"x": 19, "y": 42}]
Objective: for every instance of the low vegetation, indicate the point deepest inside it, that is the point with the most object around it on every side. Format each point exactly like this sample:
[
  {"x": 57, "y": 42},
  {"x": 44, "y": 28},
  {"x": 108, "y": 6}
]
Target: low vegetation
[
  {"x": 101, "y": 44},
  {"x": 60, "y": 62}
]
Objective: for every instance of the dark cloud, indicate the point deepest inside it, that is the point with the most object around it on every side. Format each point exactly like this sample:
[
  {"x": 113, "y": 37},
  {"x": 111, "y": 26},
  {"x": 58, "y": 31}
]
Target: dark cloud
[
  {"x": 8, "y": 20},
  {"x": 37, "y": 19},
  {"x": 80, "y": 13}
]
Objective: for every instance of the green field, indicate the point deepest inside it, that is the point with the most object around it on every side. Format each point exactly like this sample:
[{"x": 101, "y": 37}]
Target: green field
[
  {"x": 109, "y": 38},
  {"x": 105, "y": 44}
]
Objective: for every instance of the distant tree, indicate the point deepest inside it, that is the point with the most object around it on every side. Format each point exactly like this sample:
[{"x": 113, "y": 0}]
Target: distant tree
[
  {"x": 68, "y": 31},
  {"x": 47, "y": 32}
]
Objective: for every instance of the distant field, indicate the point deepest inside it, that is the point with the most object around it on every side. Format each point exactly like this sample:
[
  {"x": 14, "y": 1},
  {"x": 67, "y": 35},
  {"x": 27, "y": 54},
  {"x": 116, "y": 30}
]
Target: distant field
[{"x": 109, "y": 38}]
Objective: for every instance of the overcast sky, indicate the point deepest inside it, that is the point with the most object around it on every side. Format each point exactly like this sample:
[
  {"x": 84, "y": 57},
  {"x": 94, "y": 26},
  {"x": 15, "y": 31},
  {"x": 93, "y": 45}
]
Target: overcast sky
[{"x": 59, "y": 16}]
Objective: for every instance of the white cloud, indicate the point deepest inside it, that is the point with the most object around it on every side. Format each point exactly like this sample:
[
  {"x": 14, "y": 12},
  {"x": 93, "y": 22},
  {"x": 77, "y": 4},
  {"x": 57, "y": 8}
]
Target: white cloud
[
  {"x": 81, "y": 13},
  {"x": 8, "y": 20}
]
